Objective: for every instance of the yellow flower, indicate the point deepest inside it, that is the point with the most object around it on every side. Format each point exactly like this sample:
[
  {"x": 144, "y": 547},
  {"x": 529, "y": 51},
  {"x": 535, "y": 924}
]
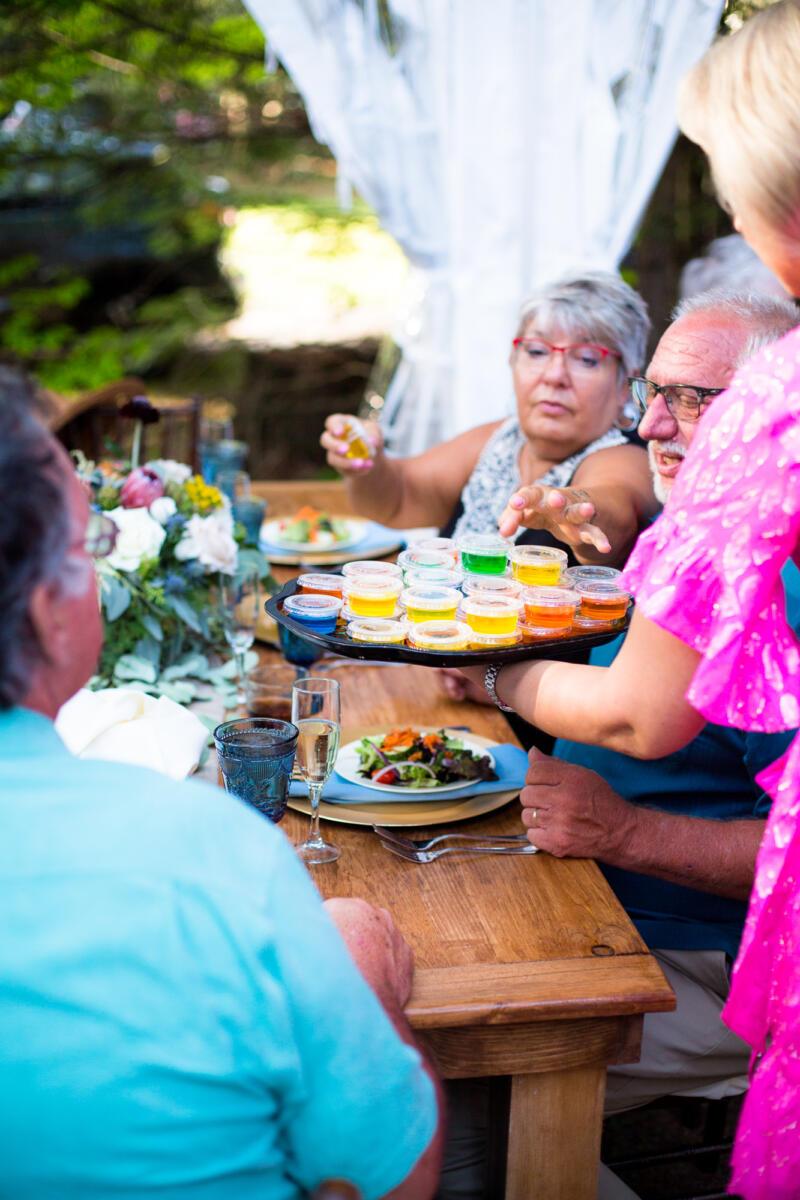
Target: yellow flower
[{"x": 203, "y": 497}]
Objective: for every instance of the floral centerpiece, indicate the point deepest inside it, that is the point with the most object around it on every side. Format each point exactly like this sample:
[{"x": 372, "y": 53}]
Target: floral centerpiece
[{"x": 176, "y": 537}]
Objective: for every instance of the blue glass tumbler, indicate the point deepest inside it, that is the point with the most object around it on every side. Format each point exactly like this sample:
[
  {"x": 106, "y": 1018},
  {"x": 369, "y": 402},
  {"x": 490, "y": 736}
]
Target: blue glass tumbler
[
  {"x": 298, "y": 650},
  {"x": 256, "y": 755},
  {"x": 250, "y": 513}
]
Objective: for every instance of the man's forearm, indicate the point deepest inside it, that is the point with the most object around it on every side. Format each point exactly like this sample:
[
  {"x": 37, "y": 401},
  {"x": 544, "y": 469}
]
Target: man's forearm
[{"x": 712, "y": 856}]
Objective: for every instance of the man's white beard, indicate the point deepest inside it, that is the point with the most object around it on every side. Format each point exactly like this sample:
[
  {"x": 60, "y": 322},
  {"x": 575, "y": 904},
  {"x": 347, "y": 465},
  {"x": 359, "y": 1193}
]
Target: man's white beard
[{"x": 662, "y": 487}]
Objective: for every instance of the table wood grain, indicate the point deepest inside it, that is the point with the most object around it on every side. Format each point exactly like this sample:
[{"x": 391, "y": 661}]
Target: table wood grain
[{"x": 526, "y": 967}]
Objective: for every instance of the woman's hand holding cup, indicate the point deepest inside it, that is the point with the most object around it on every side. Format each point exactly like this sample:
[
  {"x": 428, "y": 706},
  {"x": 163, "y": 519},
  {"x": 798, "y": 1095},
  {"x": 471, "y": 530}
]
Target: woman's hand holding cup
[{"x": 337, "y": 440}]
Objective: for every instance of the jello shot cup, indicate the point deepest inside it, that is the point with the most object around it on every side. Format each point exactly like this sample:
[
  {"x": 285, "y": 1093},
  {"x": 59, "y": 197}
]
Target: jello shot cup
[
  {"x": 432, "y": 575},
  {"x": 538, "y": 566},
  {"x": 375, "y": 570},
  {"x": 423, "y": 561},
  {"x": 432, "y": 603},
  {"x": 318, "y": 613},
  {"x": 370, "y": 597},
  {"x": 497, "y": 585},
  {"x": 589, "y": 573},
  {"x": 377, "y": 631},
  {"x": 320, "y": 585},
  {"x": 605, "y": 602},
  {"x": 495, "y": 641},
  {"x": 550, "y": 607},
  {"x": 440, "y": 545},
  {"x": 485, "y": 612},
  {"x": 355, "y": 435},
  {"x": 484, "y": 553},
  {"x": 443, "y": 636}
]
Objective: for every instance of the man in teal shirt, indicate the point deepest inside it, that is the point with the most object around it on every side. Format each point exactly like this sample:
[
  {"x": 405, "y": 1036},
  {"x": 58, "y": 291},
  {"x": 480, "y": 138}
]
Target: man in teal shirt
[{"x": 179, "y": 1014}]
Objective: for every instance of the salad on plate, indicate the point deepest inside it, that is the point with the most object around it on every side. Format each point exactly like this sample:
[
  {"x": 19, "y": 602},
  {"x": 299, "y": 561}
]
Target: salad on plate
[
  {"x": 413, "y": 758},
  {"x": 313, "y": 527}
]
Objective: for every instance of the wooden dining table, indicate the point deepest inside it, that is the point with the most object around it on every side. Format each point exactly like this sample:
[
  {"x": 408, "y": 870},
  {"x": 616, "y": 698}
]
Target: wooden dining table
[{"x": 526, "y": 966}]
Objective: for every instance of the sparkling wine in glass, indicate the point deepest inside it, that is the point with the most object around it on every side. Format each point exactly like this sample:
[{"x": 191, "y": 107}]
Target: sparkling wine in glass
[
  {"x": 239, "y": 603},
  {"x": 317, "y": 715}
]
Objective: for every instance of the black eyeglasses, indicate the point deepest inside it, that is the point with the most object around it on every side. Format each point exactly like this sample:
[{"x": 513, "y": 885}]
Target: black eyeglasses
[{"x": 684, "y": 401}]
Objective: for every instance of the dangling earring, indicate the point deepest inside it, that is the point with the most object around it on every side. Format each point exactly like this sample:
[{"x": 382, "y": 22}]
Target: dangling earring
[{"x": 626, "y": 420}]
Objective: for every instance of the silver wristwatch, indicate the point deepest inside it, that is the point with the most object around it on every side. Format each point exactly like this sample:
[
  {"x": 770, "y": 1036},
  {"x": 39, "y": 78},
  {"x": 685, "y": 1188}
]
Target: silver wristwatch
[{"x": 490, "y": 684}]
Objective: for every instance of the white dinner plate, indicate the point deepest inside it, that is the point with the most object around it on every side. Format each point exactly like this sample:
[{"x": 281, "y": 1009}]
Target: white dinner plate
[
  {"x": 356, "y": 532},
  {"x": 347, "y": 766}
]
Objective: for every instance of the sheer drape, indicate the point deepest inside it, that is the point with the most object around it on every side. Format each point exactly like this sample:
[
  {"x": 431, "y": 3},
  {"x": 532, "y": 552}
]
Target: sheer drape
[{"x": 501, "y": 144}]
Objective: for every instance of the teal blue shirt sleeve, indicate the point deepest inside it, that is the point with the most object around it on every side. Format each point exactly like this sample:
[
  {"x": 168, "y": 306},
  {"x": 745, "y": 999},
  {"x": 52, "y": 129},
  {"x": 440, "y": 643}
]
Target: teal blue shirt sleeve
[{"x": 366, "y": 1108}]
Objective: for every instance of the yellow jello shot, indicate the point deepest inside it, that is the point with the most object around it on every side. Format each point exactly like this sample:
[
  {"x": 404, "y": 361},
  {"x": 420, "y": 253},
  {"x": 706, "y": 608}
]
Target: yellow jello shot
[
  {"x": 433, "y": 603},
  {"x": 443, "y": 636},
  {"x": 367, "y": 597},
  {"x": 495, "y": 641},
  {"x": 376, "y": 630},
  {"x": 537, "y": 565},
  {"x": 485, "y": 612},
  {"x": 355, "y": 435}
]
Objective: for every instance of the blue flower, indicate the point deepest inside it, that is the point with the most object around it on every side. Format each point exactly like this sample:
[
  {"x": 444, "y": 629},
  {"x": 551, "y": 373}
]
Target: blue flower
[
  {"x": 175, "y": 522},
  {"x": 194, "y": 569},
  {"x": 174, "y": 584}
]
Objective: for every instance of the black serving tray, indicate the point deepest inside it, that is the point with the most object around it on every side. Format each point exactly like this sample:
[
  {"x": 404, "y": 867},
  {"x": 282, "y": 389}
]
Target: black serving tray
[{"x": 563, "y": 649}]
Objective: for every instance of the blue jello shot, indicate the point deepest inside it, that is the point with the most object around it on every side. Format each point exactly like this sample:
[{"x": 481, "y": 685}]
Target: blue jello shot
[{"x": 318, "y": 613}]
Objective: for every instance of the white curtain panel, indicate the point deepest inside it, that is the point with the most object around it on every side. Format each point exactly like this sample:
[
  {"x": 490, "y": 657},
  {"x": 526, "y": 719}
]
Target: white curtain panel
[{"x": 501, "y": 144}]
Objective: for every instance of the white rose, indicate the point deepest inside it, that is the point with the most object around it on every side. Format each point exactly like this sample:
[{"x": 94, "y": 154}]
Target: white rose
[
  {"x": 162, "y": 509},
  {"x": 210, "y": 540},
  {"x": 170, "y": 471},
  {"x": 139, "y": 537}
]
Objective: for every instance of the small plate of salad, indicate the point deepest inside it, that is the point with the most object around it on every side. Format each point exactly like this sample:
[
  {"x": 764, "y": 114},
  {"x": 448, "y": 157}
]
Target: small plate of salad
[
  {"x": 415, "y": 762},
  {"x": 312, "y": 529}
]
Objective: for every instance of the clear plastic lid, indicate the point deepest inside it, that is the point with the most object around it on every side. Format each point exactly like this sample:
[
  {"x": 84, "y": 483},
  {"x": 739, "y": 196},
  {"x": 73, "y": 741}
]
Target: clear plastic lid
[
  {"x": 487, "y": 604},
  {"x": 379, "y": 630},
  {"x": 447, "y": 577},
  {"x": 415, "y": 559},
  {"x": 321, "y": 583},
  {"x": 587, "y": 573},
  {"x": 489, "y": 544},
  {"x": 534, "y": 556},
  {"x": 375, "y": 570},
  {"x": 550, "y": 597},
  {"x": 494, "y": 641},
  {"x": 440, "y": 545},
  {"x": 534, "y": 633},
  {"x": 373, "y": 587},
  {"x": 602, "y": 592},
  {"x": 432, "y": 598},
  {"x": 312, "y": 606},
  {"x": 500, "y": 585},
  {"x": 440, "y": 635}
]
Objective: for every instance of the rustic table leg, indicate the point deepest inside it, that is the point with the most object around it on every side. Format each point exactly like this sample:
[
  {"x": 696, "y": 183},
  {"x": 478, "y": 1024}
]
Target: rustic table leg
[{"x": 554, "y": 1134}]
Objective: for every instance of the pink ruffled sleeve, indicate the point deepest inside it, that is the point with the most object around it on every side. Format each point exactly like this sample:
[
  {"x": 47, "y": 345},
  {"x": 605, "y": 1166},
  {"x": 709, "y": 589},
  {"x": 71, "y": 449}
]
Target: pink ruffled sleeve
[{"x": 708, "y": 570}]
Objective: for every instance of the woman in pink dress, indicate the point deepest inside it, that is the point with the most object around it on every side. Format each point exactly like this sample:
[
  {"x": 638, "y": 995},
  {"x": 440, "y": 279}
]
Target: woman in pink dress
[{"x": 710, "y": 624}]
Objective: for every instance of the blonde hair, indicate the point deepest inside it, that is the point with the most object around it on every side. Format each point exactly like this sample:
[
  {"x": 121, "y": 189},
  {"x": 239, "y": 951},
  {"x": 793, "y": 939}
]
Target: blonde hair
[{"x": 741, "y": 103}]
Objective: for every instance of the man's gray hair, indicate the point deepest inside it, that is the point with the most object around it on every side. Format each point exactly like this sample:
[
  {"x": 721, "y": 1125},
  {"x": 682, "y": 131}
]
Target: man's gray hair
[
  {"x": 769, "y": 317},
  {"x": 593, "y": 306},
  {"x": 728, "y": 264},
  {"x": 34, "y": 531}
]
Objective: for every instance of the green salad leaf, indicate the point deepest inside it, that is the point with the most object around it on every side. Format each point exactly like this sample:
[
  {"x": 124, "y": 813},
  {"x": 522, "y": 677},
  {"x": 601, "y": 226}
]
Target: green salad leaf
[{"x": 411, "y": 758}]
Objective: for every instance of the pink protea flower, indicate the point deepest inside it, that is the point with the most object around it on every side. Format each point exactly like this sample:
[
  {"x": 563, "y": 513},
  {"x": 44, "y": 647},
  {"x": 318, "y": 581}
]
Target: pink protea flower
[{"x": 141, "y": 488}]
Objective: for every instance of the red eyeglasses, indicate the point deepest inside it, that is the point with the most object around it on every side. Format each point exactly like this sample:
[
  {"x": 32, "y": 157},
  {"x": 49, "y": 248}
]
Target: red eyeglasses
[{"x": 581, "y": 357}]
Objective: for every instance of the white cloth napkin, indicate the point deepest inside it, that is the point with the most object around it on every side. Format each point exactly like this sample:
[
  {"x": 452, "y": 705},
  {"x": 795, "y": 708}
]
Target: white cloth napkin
[{"x": 122, "y": 725}]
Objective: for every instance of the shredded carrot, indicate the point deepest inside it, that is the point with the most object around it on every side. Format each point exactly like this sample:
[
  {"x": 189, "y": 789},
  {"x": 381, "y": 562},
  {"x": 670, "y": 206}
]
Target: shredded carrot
[{"x": 397, "y": 738}]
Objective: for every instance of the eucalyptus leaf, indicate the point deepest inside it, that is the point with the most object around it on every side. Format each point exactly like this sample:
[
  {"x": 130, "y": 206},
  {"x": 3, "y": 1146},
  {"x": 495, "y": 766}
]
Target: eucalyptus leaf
[
  {"x": 132, "y": 668},
  {"x": 180, "y": 691},
  {"x": 148, "y": 649},
  {"x": 185, "y": 612},
  {"x": 152, "y": 626},
  {"x": 115, "y": 597},
  {"x": 193, "y": 664}
]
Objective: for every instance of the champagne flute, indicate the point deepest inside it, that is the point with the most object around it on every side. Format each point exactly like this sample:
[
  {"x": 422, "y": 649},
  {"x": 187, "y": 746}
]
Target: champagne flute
[
  {"x": 316, "y": 713},
  {"x": 239, "y": 605}
]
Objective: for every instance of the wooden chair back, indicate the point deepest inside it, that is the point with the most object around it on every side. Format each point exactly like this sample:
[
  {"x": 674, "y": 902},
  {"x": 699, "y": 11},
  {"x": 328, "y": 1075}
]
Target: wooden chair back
[{"x": 92, "y": 424}]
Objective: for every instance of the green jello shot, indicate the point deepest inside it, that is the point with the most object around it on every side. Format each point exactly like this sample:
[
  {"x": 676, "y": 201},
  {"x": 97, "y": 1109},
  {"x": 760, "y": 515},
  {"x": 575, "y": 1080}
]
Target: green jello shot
[{"x": 484, "y": 553}]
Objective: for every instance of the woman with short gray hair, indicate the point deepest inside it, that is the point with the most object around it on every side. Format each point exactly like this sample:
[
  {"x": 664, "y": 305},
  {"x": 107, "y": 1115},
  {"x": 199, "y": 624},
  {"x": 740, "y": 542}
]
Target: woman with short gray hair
[{"x": 576, "y": 342}]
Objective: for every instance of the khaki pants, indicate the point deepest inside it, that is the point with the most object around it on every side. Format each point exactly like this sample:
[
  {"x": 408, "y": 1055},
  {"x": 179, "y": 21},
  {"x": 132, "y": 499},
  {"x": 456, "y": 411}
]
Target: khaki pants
[{"x": 688, "y": 1052}]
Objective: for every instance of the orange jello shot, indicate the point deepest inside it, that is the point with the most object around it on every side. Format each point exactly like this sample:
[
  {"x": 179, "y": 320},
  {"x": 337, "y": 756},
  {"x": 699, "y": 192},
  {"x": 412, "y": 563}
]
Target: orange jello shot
[
  {"x": 433, "y": 603},
  {"x": 320, "y": 585},
  {"x": 602, "y": 601},
  {"x": 538, "y": 566},
  {"x": 550, "y": 607},
  {"x": 486, "y": 612},
  {"x": 369, "y": 597}
]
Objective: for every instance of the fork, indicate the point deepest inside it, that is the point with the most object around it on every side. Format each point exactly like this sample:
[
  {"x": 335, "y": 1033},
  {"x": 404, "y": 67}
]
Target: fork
[
  {"x": 388, "y": 835},
  {"x": 429, "y": 856}
]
